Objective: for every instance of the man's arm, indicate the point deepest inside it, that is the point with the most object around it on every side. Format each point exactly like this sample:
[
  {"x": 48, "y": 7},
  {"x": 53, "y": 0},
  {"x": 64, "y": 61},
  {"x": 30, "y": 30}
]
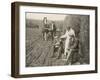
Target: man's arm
[{"x": 64, "y": 36}]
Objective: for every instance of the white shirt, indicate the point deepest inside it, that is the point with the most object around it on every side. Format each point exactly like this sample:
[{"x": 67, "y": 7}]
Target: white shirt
[
  {"x": 67, "y": 36},
  {"x": 68, "y": 33}
]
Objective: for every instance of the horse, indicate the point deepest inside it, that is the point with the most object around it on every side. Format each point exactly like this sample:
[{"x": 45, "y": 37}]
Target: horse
[
  {"x": 48, "y": 31},
  {"x": 45, "y": 31}
]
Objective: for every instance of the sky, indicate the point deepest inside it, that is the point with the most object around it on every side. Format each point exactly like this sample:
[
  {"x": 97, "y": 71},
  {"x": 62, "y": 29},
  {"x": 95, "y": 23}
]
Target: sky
[{"x": 40, "y": 16}]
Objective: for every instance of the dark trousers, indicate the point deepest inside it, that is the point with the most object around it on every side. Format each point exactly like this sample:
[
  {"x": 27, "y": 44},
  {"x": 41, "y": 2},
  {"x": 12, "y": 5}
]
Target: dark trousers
[{"x": 53, "y": 33}]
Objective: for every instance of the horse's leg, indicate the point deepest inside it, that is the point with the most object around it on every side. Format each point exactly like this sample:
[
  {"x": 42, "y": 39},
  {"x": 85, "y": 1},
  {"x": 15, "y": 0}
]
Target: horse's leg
[
  {"x": 52, "y": 35},
  {"x": 45, "y": 36},
  {"x": 48, "y": 34}
]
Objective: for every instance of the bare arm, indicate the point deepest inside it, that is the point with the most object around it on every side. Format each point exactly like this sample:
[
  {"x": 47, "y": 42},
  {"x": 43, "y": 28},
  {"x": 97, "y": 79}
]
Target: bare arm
[{"x": 64, "y": 36}]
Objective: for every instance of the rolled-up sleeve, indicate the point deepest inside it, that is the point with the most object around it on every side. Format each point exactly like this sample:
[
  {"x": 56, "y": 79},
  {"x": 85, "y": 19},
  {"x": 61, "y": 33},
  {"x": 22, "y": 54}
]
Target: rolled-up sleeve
[{"x": 65, "y": 35}]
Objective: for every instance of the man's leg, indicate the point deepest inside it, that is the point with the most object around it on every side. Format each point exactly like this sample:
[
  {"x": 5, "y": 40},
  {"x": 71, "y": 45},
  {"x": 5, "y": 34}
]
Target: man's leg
[
  {"x": 66, "y": 51},
  {"x": 52, "y": 35},
  {"x": 45, "y": 36}
]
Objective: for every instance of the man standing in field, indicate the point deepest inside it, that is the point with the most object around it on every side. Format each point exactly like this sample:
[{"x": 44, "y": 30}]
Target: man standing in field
[
  {"x": 53, "y": 30},
  {"x": 45, "y": 28},
  {"x": 67, "y": 36}
]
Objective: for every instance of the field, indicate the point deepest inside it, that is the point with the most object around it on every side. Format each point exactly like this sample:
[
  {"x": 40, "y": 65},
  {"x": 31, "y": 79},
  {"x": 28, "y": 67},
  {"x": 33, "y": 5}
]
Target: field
[{"x": 39, "y": 52}]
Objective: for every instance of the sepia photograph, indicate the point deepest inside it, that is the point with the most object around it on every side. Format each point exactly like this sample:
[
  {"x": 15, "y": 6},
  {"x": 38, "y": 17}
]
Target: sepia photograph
[
  {"x": 52, "y": 39},
  {"x": 56, "y": 39}
]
